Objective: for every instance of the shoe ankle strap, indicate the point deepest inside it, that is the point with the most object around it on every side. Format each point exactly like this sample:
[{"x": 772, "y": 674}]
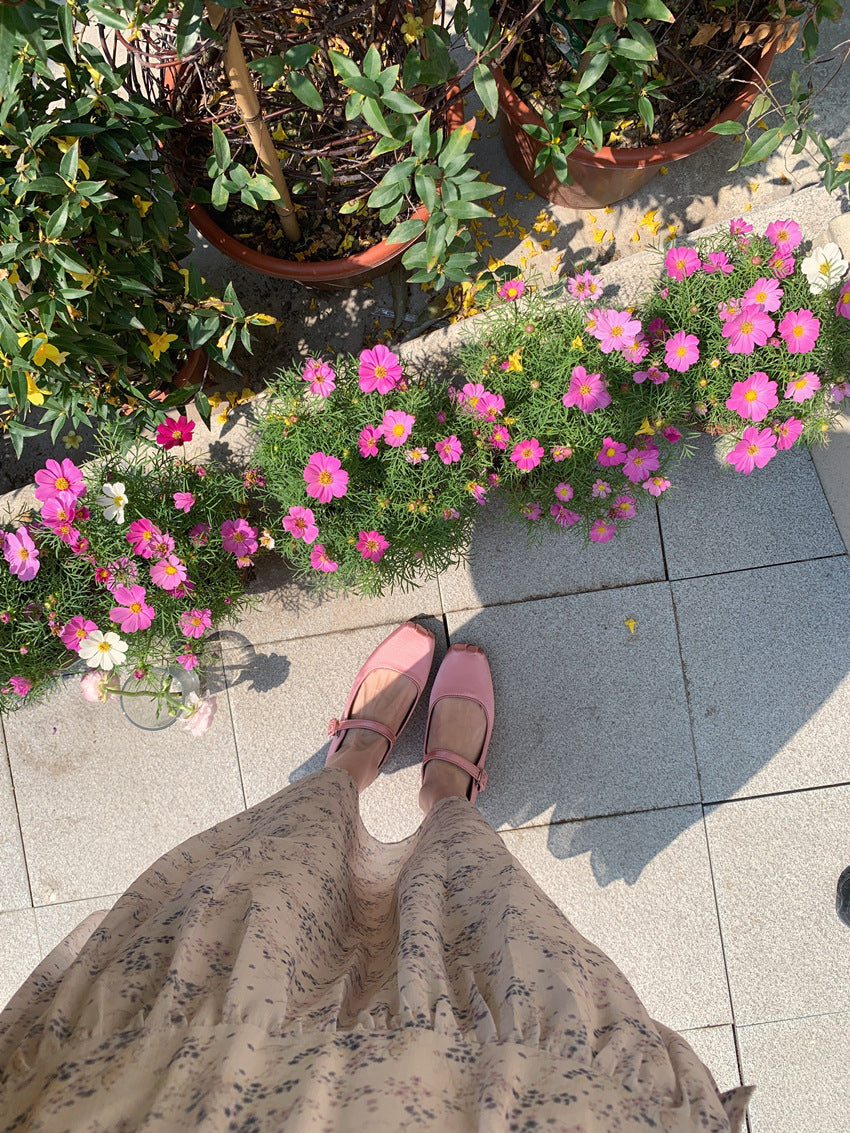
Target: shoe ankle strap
[
  {"x": 479, "y": 774},
  {"x": 336, "y": 727}
]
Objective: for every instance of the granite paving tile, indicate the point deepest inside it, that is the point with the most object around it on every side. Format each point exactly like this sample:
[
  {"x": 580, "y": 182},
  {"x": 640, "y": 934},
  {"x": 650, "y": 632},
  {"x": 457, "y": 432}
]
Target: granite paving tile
[
  {"x": 716, "y": 1047},
  {"x": 766, "y": 656},
  {"x": 14, "y": 886},
  {"x": 719, "y": 520},
  {"x": 799, "y": 1068},
  {"x": 19, "y": 951},
  {"x": 832, "y": 462},
  {"x": 661, "y": 928},
  {"x": 776, "y": 861},
  {"x": 591, "y": 716},
  {"x": 100, "y": 800}
]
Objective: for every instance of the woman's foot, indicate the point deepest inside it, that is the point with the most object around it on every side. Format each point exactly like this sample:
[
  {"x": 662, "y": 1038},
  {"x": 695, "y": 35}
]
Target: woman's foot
[
  {"x": 385, "y": 696},
  {"x": 460, "y": 726}
]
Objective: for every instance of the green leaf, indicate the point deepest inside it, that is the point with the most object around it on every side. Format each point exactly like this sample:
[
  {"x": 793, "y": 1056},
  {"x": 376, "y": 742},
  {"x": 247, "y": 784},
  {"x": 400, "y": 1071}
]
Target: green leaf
[
  {"x": 372, "y": 63},
  {"x": 56, "y": 223},
  {"x": 203, "y": 406},
  {"x": 595, "y": 69},
  {"x": 374, "y": 118},
  {"x": 761, "y": 147},
  {"x": 70, "y": 163},
  {"x": 646, "y": 112},
  {"x": 640, "y": 35},
  {"x": 407, "y": 230},
  {"x": 479, "y": 24},
  {"x": 68, "y": 260},
  {"x": 349, "y": 207},
  {"x": 221, "y": 148},
  {"x": 593, "y": 129},
  {"x": 398, "y": 101},
  {"x": 411, "y": 70},
  {"x": 107, "y": 16},
  {"x": 299, "y": 55},
  {"x": 188, "y": 30},
  {"x": 327, "y": 170},
  {"x": 383, "y": 194},
  {"x": 65, "y": 18},
  {"x": 727, "y": 128},
  {"x": 650, "y": 10},
  {"x": 18, "y": 382},
  {"x": 761, "y": 105},
  {"x": 485, "y": 86},
  {"x": 304, "y": 90},
  {"x": 591, "y": 10},
  {"x": 270, "y": 69},
  {"x": 464, "y": 210},
  {"x": 426, "y": 189},
  {"x": 422, "y": 136},
  {"x": 346, "y": 68},
  {"x": 631, "y": 49}
]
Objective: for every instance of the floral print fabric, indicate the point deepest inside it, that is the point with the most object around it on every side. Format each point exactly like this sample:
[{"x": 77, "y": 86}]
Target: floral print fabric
[{"x": 284, "y": 970}]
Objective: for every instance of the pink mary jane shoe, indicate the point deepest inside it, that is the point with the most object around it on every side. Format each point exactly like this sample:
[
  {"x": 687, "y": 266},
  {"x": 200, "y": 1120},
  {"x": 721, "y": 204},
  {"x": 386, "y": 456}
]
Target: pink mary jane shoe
[
  {"x": 409, "y": 650},
  {"x": 464, "y": 673}
]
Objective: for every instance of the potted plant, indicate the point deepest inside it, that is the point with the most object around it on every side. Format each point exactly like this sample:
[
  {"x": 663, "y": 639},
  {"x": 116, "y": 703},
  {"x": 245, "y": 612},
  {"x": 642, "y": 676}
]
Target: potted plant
[
  {"x": 98, "y": 317},
  {"x": 594, "y": 96},
  {"x": 122, "y": 570},
  {"x": 318, "y": 143}
]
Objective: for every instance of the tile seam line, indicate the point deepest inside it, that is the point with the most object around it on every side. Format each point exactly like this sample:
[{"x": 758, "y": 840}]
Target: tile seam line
[
  {"x": 233, "y": 732},
  {"x": 844, "y": 1012},
  {"x": 596, "y": 817},
  {"x": 777, "y": 794},
  {"x": 17, "y": 813},
  {"x": 763, "y": 566}
]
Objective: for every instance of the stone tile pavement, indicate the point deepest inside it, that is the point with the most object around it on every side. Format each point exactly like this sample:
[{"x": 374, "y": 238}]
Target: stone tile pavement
[{"x": 680, "y": 788}]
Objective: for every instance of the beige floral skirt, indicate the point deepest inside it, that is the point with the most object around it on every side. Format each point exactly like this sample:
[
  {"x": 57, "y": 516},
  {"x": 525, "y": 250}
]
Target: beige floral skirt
[{"x": 285, "y": 971}]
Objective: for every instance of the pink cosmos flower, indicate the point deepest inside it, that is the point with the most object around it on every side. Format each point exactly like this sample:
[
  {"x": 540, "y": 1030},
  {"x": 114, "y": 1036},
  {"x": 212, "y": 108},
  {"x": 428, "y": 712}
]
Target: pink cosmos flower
[
  {"x": 320, "y": 561},
  {"x": 766, "y": 294},
  {"x": 655, "y": 485},
  {"x": 800, "y": 330},
  {"x": 564, "y": 492},
  {"x": 21, "y": 554},
  {"x": 379, "y": 370},
  {"x": 184, "y": 501},
  {"x": 512, "y": 290},
  {"x": 20, "y": 685},
  {"x": 301, "y": 524},
  {"x": 681, "y": 351},
  {"x": 450, "y": 450},
  {"x": 587, "y": 391},
  {"x": 751, "y": 328},
  {"x": 198, "y": 724},
  {"x": 200, "y": 534},
  {"x": 527, "y": 454},
  {"x": 500, "y": 437},
  {"x": 653, "y": 373},
  {"x": 657, "y": 332},
  {"x": 754, "y": 398},
  {"x": 616, "y": 329},
  {"x": 624, "y": 507},
  {"x": 59, "y": 509},
  {"x": 728, "y": 309},
  {"x": 682, "y": 262},
  {"x": 478, "y": 492},
  {"x": 671, "y": 434},
  {"x": 591, "y": 323},
  {"x": 842, "y": 307},
  {"x": 840, "y": 390},
  {"x": 490, "y": 406},
  {"x": 640, "y": 463},
  {"x": 161, "y": 545},
  {"x": 584, "y": 285},
  {"x": 367, "y": 442},
  {"x": 802, "y": 388},
  {"x": 325, "y": 478},
  {"x": 451, "y": 513},
  {"x": 601, "y": 489},
  {"x": 97, "y": 685},
  {"x": 244, "y": 561},
  {"x": 123, "y": 571},
  {"x": 416, "y": 455},
  {"x": 530, "y": 511},
  {"x": 612, "y": 452},
  {"x": 788, "y": 432},
  {"x": 372, "y": 545},
  {"x": 103, "y": 576},
  {"x": 239, "y": 537},
  {"x": 132, "y": 612},
  {"x": 321, "y": 377},
  {"x": 785, "y": 235},
  {"x": 188, "y": 659},
  {"x": 168, "y": 572},
  {"x": 739, "y": 227},
  {"x": 781, "y": 265},
  {"x": 396, "y": 427},
  {"x": 561, "y": 452},
  {"x": 718, "y": 261},
  {"x": 75, "y": 631},
  {"x": 56, "y": 477},
  {"x": 754, "y": 450},
  {"x": 172, "y": 433},
  {"x": 194, "y": 623},
  {"x": 602, "y": 530},
  {"x": 142, "y": 534},
  {"x": 471, "y": 394},
  {"x": 563, "y": 516}
]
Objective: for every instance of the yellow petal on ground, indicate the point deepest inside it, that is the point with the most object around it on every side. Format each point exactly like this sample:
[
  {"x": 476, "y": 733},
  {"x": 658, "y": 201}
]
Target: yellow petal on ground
[
  {"x": 215, "y": 399},
  {"x": 500, "y": 200},
  {"x": 752, "y": 186},
  {"x": 663, "y": 170},
  {"x": 525, "y": 196},
  {"x": 493, "y": 263},
  {"x": 844, "y": 163},
  {"x": 591, "y": 218},
  {"x": 609, "y": 209},
  {"x": 523, "y": 261},
  {"x": 631, "y": 623},
  {"x": 636, "y": 237},
  {"x": 600, "y": 234},
  {"x": 747, "y": 208}
]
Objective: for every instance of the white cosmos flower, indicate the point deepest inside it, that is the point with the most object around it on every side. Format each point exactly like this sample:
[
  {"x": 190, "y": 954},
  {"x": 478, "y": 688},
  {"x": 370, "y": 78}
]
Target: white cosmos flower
[
  {"x": 103, "y": 650},
  {"x": 113, "y": 500},
  {"x": 824, "y": 268}
]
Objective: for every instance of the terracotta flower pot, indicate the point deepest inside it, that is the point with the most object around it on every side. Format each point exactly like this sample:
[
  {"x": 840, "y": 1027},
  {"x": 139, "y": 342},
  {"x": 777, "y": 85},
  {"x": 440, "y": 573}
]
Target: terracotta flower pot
[{"x": 610, "y": 174}]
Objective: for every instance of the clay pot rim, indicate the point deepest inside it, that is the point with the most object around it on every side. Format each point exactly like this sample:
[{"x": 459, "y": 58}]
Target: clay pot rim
[{"x": 521, "y": 114}]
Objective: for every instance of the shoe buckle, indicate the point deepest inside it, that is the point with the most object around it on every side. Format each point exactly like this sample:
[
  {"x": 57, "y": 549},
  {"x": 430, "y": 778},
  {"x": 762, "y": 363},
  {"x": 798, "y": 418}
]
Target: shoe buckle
[
  {"x": 333, "y": 727},
  {"x": 482, "y": 781}
]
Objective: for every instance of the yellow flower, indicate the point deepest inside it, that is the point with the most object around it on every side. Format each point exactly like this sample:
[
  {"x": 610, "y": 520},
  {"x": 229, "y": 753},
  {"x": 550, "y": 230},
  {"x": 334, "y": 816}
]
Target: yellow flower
[
  {"x": 215, "y": 399},
  {"x": 222, "y": 417},
  {"x": 412, "y": 28},
  {"x": 35, "y": 396},
  {"x": 646, "y": 429},
  {"x": 45, "y": 352},
  {"x": 141, "y": 205},
  {"x": 514, "y": 365},
  {"x": 72, "y": 440},
  {"x": 844, "y": 163},
  {"x": 577, "y": 343},
  {"x": 159, "y": 343}
]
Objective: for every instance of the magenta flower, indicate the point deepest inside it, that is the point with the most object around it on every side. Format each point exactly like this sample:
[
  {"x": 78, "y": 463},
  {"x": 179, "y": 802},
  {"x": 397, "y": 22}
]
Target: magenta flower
[
  {"x": 587, "y": 391},
  {"x": 200, "y": 534},
  {"x": 728, "y": 309},
  {"x": 655, "y": 485},
  {"x": 471, "y": 394},
  {"x": 320, "y": 561},
  {"x": 781, "y": 265},
  {"x": 59, "y": 509},
  {"x": 184, "y": 501},
  {"x": 450, "y": 450},
  {"x": 682, "y": 262},
  {"x": 749, "y": 329},
  {"x": 681, "y": 351},
  {"x": 653, "y": 373},
  {"x": 800, "y": 329},
  {"x": 564, "y": 492},
  {"x": 172, "y": 433},
  {"x": 239, "y": 537},
  {"x": 372, "y": 546},
  {"x": 161, "y": 545},
  {"x": 123, "y": 571},
  {"x": 754, "y": 398},
  {"x": 168, "y": 572},
  {"x": 584, "y": 285},
  {"x": 718, "y": 261},
  {"x": 141, "y": 535},
  {"x": 75, "y": 631},
  {"x": 56, "y": 477},
  {"x": 671, "y": 434},
  {"x": 766, "y": 294},
  {"x": 20, "y": 685},
  {"x": 739, "y": 227},
  {"x": 530, "y": 511},
  {"x": 561, "y": 452},
  {"x": 788, "y": 432},
  {"x": 301, "y": 524},
  {"x": 21, "y": 554},
  {"x": 325, "y": 478},
  {"x": 840, "y": 390},
  {"x": 616, "y": 329},
  {"x": 379, "y": 370},
  {"x": 640, "y": 463},
  {"x": 802, "y": 388},
  {"x": 624, "y": 507},
  {"x": 527, "y": 454},
  {"x": 754, "y": 450},
  {"x": 396, "y": 427},
  {"x": 563, "y": 516},
  {"x": 194, "y": 623},
  {"x": 132, "y": 612},
  {"x": 451, "y": 513},
  {"x": 601, "y": 489},
  {"x": 500, "y": 437},
  {"x": 602, "y": 530},
  {"x": 785, "y": 235},
  {"x": 321, "y": 377},
  {"x": 103, "y": 576},
  {"x": 842, "y": 307},
  {"x": 512, "y": 290},
  {"x": 490, "y": 406},
  {"x": 612, "y": 452},
  {"x": 367, "y": 442},
  {"x": 657, "y": 332},
  {"x": 189, "y": 660}
]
